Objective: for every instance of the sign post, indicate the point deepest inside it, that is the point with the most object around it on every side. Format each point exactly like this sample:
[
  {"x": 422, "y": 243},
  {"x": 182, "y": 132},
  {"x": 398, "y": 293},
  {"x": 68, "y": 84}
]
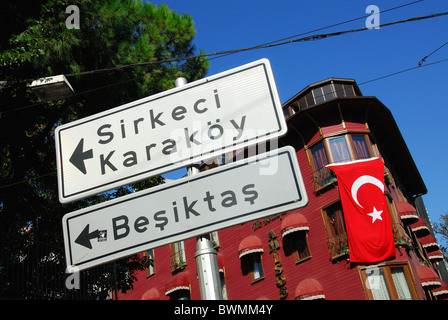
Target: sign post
[
  {"x": 167, "y": 131},
  {"x": 235, "y": 193}
]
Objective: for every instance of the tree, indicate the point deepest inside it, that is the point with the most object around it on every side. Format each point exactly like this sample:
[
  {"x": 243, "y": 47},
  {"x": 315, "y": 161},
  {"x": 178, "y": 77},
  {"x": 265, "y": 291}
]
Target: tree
[
  {"x": 36, "y": 43},
  {"x": 442, "y": 229}
]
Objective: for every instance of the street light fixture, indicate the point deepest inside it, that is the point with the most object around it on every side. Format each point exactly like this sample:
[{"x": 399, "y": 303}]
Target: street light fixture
[{"x": 51, "y": 88}]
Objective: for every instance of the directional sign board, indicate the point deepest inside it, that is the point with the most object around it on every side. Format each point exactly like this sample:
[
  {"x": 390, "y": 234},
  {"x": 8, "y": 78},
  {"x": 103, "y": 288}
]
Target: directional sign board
[
  {"x": 235, "y": 193},
  {"x": 167, "y": 131}
]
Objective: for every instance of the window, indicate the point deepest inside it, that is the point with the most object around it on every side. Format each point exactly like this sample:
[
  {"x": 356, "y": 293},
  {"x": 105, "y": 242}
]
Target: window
[
  {"x": 349, "y": 90},
  {"x": 392, "y": 281},
  {"x": 178, "y": 260},
  {"x": 328, "y": 93},
  {"x": 339, "y": 90},
  {"x": 149, "y": 264},
  {"x": 322, "y": 94},
  {"x": 257, "y": 270},
  {"x": 309, "y": 99},
  {"x": 337, "y": 235},
  {"x": 318, "y": 96},
  {"x": 339, "y": 149},
  {"x": 302, "y": 103},
  {"x": 360, "y": 146},
  {"x": 344, "y": 90},
  {"x": 297, "y": 243},
  {"x": 252, "y": 264},
  {"x": 322, "y": 175}
]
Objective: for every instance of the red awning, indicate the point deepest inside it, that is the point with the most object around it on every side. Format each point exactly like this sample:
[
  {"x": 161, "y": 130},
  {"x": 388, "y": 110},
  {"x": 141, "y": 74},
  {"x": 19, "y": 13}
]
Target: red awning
[
  {"x": 435, "y": 256},
  {"x": 441, "y": 292},
  {"x": 309, "y": 289},
  {"x": 179, "y": 282},
  {"x": 151, "y": 294},
  {"x": 420, "y": 228},
  {"x": 250, "y": 244},
  {"x": 408, "y": 214},
  {"x": 294, "y": 222},
  {"x": 429, "y": 243},
  {"x": 428, "y": 277}
]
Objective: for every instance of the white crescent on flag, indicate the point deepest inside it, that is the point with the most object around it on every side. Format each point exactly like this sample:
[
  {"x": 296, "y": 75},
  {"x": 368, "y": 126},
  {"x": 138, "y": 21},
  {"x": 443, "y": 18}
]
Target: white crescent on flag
[{"x": 360, "y": 182}]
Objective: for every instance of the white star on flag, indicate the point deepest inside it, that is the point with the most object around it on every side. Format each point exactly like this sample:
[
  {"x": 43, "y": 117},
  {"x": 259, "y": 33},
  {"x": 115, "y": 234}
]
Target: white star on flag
[{"x": 375, "y": 215}]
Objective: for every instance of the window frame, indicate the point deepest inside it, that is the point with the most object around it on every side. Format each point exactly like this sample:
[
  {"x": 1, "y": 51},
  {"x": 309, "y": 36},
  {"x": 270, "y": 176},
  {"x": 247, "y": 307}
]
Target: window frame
[
  {"x": 386, "y": 267},
  {"x": 178, "y": 257},
  {"x": 305, "y": 254},
  {"x": 368, "y": 144},
  {"x": 335, "y": 254},
  {"x": 293, "y": 241},
  {"x": 319, "y": 182},
  {"x": 348, "y": 143},
  {"x": 150, "y": 270},
  {"x": 256, "y": 258},
  {"x": 248, "y": 262}
]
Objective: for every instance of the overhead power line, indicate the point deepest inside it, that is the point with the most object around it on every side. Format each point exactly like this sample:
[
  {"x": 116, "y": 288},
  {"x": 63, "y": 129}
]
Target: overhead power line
[
  {"x": 336, "y": 24},
  {"x": 424, "y": 59},
  {"x": 263, "y": 46},
  {"x": 226, "y": 52},
  {"x": 402, "y": 71},
  {"x": 359, "y": 84}
]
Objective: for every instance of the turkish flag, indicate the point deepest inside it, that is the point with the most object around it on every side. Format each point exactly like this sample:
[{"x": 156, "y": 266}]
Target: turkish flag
[{"x": 369, "y": 230}]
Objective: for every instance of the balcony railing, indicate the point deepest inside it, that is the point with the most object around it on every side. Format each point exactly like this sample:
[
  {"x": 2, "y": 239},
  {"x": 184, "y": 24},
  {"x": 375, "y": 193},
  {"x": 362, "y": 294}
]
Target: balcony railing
[
  {"x": 323, "y": 177},
  {"x": 178, "y": 260},
  {"x": 338, "y": 245}
]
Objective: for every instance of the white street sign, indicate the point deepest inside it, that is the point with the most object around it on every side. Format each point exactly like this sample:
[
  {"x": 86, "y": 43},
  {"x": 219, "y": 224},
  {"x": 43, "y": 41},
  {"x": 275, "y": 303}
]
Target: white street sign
[
  {"x": 169, "y": 130},
  {"x": 234, "y": 193}
]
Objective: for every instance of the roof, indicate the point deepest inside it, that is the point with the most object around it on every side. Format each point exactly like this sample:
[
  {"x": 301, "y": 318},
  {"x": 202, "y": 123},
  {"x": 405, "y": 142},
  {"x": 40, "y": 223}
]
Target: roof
[{"x": 319, "y": 84}]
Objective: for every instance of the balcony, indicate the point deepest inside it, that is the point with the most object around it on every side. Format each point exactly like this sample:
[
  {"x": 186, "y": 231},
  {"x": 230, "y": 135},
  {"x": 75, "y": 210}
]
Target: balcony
[
  {"x": 178, "y": 260},
  {"x": 323, "y": 177}
]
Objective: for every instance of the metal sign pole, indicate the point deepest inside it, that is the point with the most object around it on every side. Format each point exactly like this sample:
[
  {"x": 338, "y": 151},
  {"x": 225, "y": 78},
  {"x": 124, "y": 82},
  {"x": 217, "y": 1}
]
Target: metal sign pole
[
  {"x": 208, "y": 270},
  {"x": 206, "y": 259}
]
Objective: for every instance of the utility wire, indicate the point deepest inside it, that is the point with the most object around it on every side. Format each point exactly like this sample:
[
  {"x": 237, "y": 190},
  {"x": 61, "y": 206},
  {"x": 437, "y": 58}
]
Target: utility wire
[
  {"x": 221, "y": 53},
  {"x": 398, "y": 72},
  {"x": 271, "y": 44},
  {"x": 339, "y": 23},
  {"x": 359, "y": 84},
  {"x": 424, "y": 59}
]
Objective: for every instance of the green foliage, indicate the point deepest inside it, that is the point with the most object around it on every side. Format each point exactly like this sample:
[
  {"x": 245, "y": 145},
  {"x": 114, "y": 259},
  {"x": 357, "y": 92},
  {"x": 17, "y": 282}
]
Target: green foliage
[
  {"x": 36, "y": 44},
  {"x": 441, "y": 228}
]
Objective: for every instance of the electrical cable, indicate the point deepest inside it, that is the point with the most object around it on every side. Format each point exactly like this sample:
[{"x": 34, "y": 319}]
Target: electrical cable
[
  {"x": 261, "y": 46},
  {"x": 424, "y": 59},
  {"x": 359, "y": 84},
  {"x": 398, "y": 72},
  {"x": 227, "y": 52}
]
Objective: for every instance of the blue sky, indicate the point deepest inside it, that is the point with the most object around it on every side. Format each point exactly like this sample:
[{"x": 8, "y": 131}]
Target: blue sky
[{"x": 417, "y": 99}]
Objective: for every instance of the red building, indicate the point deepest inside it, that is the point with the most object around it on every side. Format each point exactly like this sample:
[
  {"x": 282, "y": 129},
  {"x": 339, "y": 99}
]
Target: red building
[{"x": 304, "y": 254}]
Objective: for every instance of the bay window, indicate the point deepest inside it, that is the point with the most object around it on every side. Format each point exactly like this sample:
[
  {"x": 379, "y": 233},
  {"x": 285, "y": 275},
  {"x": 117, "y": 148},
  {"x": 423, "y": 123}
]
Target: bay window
[{"x": 334, "y": 149}]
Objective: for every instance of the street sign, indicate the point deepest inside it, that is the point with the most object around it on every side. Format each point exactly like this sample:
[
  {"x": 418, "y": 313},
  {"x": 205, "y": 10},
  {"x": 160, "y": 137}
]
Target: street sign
[
  {"x": 231, "y": 194},
  {"x": 168, "y": 131}
]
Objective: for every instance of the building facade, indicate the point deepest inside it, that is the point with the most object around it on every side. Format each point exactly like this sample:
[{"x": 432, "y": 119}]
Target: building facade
[{"x": 304, "y": 254}]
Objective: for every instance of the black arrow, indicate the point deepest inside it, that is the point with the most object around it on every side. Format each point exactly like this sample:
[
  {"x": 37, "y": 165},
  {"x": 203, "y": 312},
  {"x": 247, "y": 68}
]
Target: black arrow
[
  {"x": 78, "y": 156},
  {"x": 85, "y": 237}
]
